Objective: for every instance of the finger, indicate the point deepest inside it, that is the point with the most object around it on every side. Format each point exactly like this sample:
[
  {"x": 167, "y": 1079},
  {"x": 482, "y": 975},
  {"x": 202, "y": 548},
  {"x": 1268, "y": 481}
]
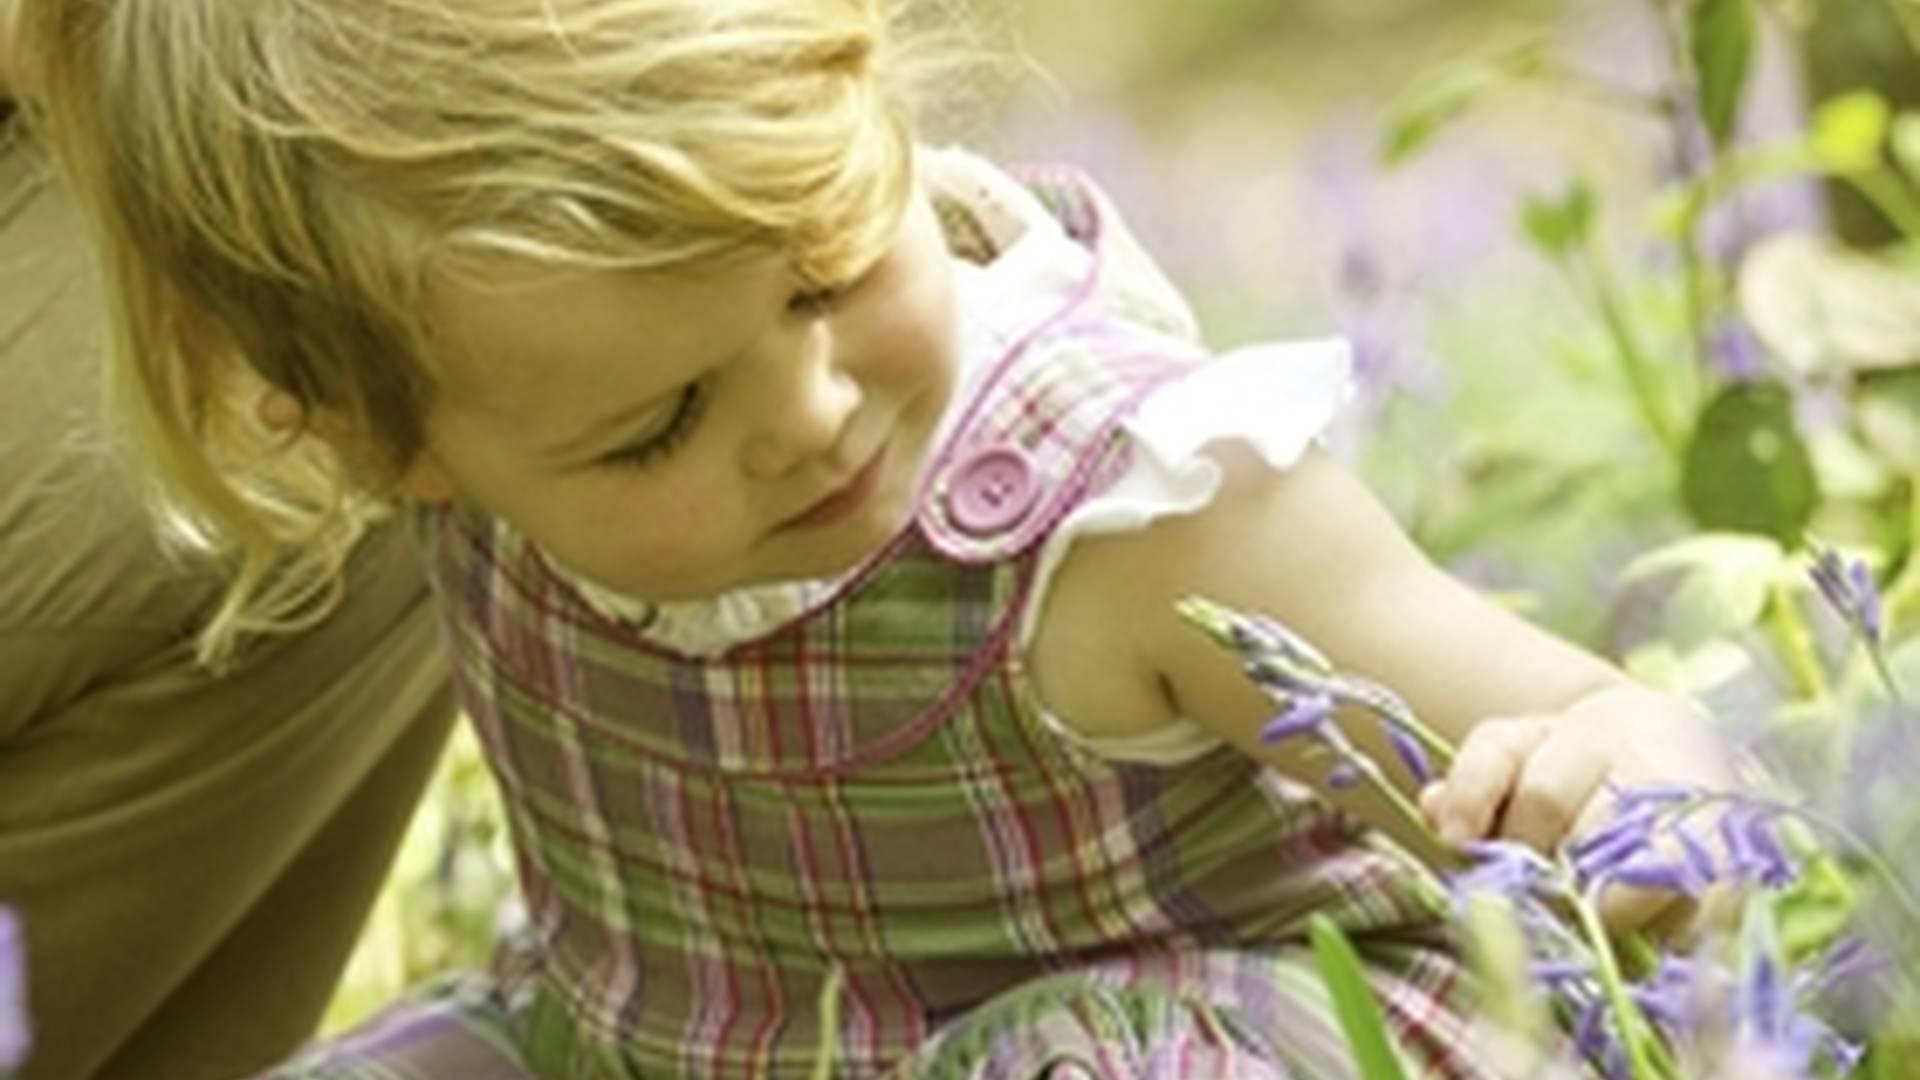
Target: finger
[
  {"x": 1557, "y": 782},
  {"x": 1661, "y": 914},
  {"x": 1467, "y": 801}
]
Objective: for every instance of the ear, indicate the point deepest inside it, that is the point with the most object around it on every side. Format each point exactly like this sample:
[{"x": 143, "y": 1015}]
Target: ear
[{"x": 427, "y": 481}]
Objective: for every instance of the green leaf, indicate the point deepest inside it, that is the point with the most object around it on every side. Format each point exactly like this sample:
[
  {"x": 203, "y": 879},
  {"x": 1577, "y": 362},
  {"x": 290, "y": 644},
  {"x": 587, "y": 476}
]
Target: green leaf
[
  {"x": 1850, "y": 130},
  {"x": 1906, "y": 143},
  {"x": 1436, "y": 99},
  {"x": 1498, "y": 949},
  {"x": 1722, "y": 44},
  {"x": 1560, "y": 227},
  {"x": 1694, "y": 672},
  {"x": 1353, "y": 1003},
  {"x": 1723, "y": 586},
  {"x": 1816, "y": 909},
  {"x": 1887, "y": 410},
  {"x": 1746, "y": 469}
]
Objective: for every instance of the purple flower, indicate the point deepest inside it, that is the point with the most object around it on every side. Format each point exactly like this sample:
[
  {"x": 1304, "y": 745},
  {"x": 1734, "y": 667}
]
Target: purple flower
[
  {"x": 1624, "y": 838},
  {"x": 1670, "y": 996},
  {"x": 1649, "y": 873},
  {"x": 1504, "y": 868},
  {"x": 1595, "y": 1039},
  {"x": 1699, "y": 859},
  {"x": 1772, "y": 1033},
  {"x": 1305, "y": 715},
  {"x": 1754, "y": 853},
  {"x": 1848, "y": 586},
  {"x": 15, "y": 1038},
  {"x": 1255, "y": 635},
  {"x": 1411, "y": 754},
  {"x": 1868, "y": 598},
  {"x": 1737, "y": 352},
  {"x": 1557, "y": 973}
]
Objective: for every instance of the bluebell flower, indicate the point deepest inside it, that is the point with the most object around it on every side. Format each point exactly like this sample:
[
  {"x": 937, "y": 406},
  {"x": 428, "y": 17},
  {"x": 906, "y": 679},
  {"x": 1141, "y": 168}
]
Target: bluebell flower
[
  {"x": 1411, "y": 754},
  {"x": 1305, "y": 715},
  {"x": 1754, "y": 853},
  {"x": 1772, "y": 1034},
  {"x": 1669, "y": 875},
  {"x": 1503, "y": 868},
  {"x": 1670, "y": 996},
  {"x": 1848, "y": 587},
  {"x": 15, "y": 1036},
  {"x": 1621, "y": 840},
  {"x": 1736, "y": 351},
  {"x": 1695, "y": 852},
  {"x": 1554, "y": 974},
  {"x": 1867, "y": 599},
  {"x": 1594, "y": 1037}
]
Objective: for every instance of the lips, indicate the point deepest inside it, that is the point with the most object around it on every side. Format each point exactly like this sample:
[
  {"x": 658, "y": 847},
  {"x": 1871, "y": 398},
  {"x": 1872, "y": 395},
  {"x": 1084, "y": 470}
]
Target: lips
[{"x": 843, "y": 501}]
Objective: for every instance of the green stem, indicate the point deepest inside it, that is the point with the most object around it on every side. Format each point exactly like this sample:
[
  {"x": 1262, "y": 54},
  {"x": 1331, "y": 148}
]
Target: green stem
[
  {"x": 1694, "y": 268},
  {"x": 1796, "y": 644},
  {"x": 1376, "y": 779},
  {"x": 1603, "y": 295},
  {"x": 1880, "y": 668},
  {"x": 1633, "y": 1032},
  {"x": 1693, "y": 263},
  {"x": 1907, "y": 14},
  {"x": 1904, "y": 591},
  {"x": 1396, "y": 713},
  {"x": 1588, "y": 87},
  {"x": 1884, "y": 190}
]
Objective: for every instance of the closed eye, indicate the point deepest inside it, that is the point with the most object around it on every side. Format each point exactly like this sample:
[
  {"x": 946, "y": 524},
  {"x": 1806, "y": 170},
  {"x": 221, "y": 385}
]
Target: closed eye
[{"x": 687, "y": 412}]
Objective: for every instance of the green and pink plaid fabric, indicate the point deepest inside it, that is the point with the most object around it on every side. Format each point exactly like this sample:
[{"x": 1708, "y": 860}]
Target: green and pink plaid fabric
[{"x": 860, "y": 818}]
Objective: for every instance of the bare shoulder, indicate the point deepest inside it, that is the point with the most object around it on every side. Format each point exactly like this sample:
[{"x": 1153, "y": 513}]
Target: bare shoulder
[{"x": 1100, "y": 649}]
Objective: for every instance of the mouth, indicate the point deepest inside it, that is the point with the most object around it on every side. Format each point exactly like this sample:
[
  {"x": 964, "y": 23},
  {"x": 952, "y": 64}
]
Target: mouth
[{"x": 844, "y": 500}]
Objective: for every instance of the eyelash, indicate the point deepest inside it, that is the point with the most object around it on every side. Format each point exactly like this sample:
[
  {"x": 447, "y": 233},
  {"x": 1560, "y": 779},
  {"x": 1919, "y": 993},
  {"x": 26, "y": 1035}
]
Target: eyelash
[
  {"x": 693, "y": 400},
  {"x": 686, "y": 416}
]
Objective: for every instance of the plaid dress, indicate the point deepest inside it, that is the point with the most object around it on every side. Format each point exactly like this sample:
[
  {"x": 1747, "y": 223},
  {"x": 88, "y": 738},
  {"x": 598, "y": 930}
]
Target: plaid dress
[{"x": 851, "y": 845}]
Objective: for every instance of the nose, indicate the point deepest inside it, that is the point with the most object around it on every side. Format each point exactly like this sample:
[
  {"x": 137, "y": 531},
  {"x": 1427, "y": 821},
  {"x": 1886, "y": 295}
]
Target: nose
[{"x": 803, "y": 402}]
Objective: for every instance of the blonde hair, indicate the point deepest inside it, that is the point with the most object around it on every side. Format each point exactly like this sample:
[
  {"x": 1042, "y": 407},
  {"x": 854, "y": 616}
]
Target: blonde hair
[{"x": 276, "y": 183}]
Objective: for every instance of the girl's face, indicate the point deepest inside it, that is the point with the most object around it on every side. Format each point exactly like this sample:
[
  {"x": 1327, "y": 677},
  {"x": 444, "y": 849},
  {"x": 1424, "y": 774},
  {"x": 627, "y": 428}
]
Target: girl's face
[{"x": 671, "y": 436}]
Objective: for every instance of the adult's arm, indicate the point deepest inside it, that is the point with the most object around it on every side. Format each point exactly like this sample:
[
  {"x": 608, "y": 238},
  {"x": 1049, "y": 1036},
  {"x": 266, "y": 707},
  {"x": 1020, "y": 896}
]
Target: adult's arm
[{"x": 192, "y": 857}]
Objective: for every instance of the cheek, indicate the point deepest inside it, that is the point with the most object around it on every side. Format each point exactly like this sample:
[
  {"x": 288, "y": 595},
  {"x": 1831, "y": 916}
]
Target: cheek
[
  {"x": 916, "y": 347},
  {"x": 650, "y": 543}
]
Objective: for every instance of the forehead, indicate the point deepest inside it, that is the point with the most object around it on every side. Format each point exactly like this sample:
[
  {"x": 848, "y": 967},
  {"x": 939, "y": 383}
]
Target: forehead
[{"x": 511, "y": 331}]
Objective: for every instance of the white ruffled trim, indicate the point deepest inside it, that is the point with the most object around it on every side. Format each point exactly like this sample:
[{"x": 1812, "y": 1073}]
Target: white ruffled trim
[
  {"x": 1278, "y": 398},
  {"x": 709, "y": 627}
]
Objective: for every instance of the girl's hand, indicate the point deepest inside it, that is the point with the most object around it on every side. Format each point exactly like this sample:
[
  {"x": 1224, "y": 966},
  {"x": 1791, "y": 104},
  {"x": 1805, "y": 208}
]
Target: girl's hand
[{"x": 1542, "y": 780}]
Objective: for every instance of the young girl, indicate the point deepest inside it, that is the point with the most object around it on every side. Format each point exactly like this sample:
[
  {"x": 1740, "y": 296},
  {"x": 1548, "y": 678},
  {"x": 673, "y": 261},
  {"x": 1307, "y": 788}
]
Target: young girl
[{"x": 809, "y": 511}]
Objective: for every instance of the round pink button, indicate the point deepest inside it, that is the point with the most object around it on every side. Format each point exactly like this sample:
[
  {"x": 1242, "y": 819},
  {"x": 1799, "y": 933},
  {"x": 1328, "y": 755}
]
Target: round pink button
[{"x": 992, "y": 490}]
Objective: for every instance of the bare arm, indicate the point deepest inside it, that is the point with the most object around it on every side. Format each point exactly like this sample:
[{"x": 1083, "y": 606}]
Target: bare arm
[{"x": 1311, "y": 547}]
